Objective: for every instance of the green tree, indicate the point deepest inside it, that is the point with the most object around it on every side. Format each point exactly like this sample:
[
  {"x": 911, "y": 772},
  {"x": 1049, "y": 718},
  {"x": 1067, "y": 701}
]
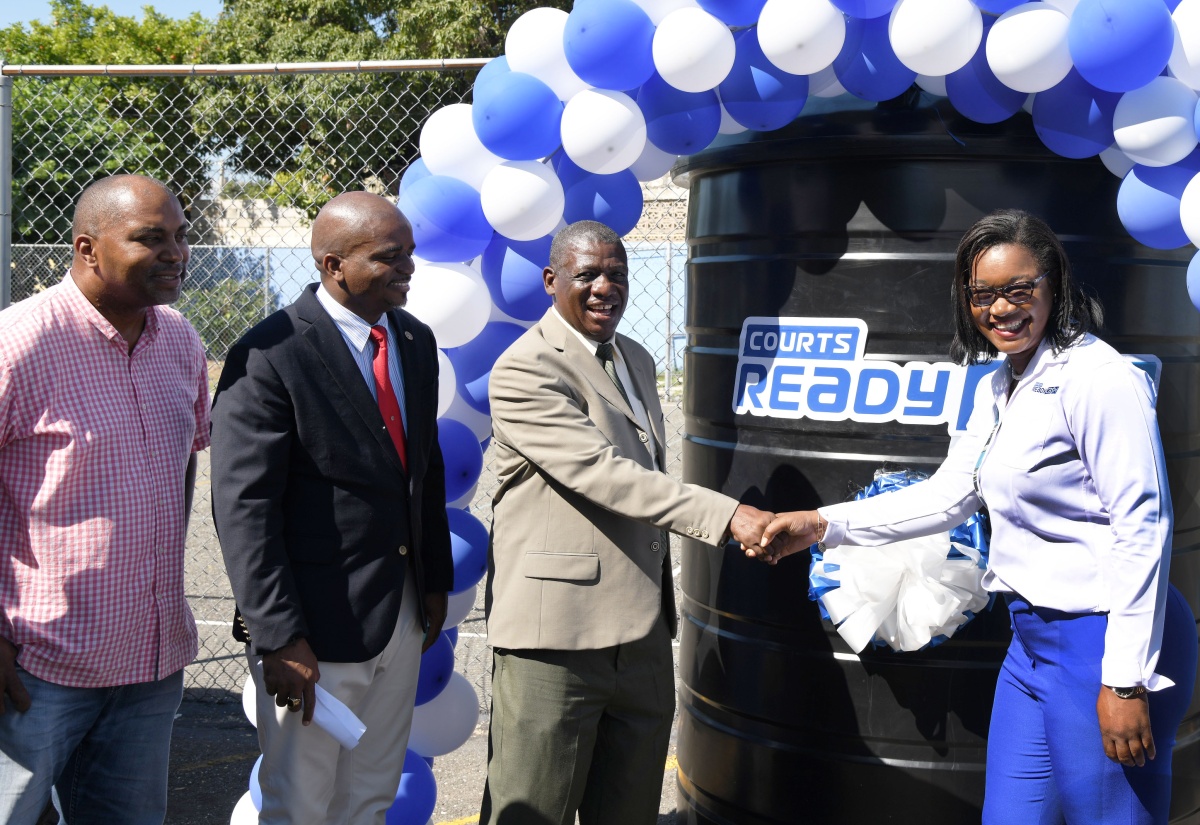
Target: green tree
[
  {"x": 71, "y": 131},
  {"x": 313, "y": 136}
]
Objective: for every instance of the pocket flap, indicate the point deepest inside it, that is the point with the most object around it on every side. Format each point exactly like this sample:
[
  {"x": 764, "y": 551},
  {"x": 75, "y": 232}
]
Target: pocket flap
[{"x": 568, "y": 566}]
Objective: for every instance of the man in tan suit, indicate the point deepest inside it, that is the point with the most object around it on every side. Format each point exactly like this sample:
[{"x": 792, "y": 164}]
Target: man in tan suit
[{"x": 580, "y": 604}]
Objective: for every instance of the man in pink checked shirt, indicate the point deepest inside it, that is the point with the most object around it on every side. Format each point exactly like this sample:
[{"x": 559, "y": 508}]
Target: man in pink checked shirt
[{"x": 103, "y": 405}]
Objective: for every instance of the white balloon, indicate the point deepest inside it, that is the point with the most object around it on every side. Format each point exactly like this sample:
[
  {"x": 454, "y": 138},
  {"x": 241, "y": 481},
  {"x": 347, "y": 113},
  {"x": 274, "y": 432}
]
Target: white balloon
[
  {"x": 801, "y": 36},
  {"x": 933, "y": 85},
  {"x": 452, "y": 299},
  {"x": 244, "y": 812},
  {"x": 729, "y": 126},
  {"x": 825, "y": 84},
  {"x": 1027, "y": 47},
  {"x": 935, "y": 37},
  {"x": 458, "y": 607},
  {"x": 449, "y": 145},
  {"x": 445, "y": 722},
  {"x": 693, "y": 51},
  {"x": 653, "y": 163},
  {"x": 475, "y": 421},
  {"x": 1185, "y": 56},
  {"x": 534, "y": 45},
  {"x": 522, "y": 199},
  {"x": 658, "y": 9},
  {"x": 255, "y": 788},
  {"x": 1028, "y": 104},
  {"x": 1154, "y": 125},
  {"x": 1189, "y": 210},
  {"x": 602, "y": 131},
  {"x": 250, "y": 701},
  {"x": 1116, "y": 161},
  {"x": 446, "y": 384},
  {"x": 1067, "y": 7}
]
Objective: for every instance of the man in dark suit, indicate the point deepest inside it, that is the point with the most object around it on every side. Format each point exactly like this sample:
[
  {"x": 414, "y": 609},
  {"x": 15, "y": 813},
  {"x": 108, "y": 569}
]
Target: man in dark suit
[{"x": 329, "y": 501}]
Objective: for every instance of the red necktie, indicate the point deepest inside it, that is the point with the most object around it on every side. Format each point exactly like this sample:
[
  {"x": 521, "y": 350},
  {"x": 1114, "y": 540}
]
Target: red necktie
[{"x": 389, "y": 408}]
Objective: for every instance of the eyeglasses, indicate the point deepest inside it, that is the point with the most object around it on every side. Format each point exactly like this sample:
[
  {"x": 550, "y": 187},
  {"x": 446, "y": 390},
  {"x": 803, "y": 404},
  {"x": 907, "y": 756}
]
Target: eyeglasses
[{"x": 1019, "y": 293}]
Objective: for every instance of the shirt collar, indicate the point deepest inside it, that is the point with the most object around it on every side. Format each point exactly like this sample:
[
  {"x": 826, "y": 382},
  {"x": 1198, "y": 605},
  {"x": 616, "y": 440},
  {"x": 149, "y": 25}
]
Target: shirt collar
[
  {"x": 583, "y": 339},
  {"x": 353, "y": 328},
  {"x": 74, "y": 297}
]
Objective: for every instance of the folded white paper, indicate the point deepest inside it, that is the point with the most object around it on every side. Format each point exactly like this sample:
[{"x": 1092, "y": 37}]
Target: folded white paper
[{"x": 332, "y": 716}]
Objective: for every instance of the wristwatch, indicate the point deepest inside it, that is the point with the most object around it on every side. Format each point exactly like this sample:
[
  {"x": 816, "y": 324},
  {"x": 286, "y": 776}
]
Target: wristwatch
[{"x": 1127, "y": 692}]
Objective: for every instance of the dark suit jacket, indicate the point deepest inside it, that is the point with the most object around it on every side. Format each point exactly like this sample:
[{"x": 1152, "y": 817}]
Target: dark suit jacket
[{"x": 317, "y": 520}]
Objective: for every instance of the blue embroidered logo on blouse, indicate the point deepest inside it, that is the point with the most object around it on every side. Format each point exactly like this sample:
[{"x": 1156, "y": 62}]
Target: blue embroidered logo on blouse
[{"x": 1042, "y": 388}]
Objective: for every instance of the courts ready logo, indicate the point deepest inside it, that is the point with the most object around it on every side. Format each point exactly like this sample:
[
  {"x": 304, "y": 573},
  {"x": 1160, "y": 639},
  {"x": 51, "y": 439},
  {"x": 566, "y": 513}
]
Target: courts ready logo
[{"x": 814, "y": 368}]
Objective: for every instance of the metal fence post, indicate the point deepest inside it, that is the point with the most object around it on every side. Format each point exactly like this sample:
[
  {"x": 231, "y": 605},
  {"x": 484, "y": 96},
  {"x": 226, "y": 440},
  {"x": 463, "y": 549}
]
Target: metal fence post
[{"x": 6, "y": 203}]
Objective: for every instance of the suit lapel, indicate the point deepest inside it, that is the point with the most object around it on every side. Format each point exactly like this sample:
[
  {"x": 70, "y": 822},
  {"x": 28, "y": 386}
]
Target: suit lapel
[
  {"x": 326, "y": 340},
  {"x": 646, "y": 386},
  {"x": 557, "y": 335}
]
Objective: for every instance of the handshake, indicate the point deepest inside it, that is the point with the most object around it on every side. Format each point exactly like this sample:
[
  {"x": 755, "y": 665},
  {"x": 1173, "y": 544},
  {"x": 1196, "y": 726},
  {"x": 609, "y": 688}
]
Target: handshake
[{"x": 769, "y": 537}]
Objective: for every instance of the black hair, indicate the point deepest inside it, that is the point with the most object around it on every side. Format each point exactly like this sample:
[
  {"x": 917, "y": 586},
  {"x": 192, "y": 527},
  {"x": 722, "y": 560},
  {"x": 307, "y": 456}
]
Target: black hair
[
  {"x": 569, "y": 236},
  {"x": 1073, "y": 311}
]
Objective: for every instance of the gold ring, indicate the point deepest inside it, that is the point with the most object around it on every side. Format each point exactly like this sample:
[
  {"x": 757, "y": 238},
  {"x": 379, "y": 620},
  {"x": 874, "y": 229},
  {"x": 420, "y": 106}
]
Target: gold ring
[{"x": 293, "y": 703}]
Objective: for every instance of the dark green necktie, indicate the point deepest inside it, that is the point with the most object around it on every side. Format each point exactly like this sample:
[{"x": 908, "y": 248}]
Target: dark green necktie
[{"x": 605, "y": 353}]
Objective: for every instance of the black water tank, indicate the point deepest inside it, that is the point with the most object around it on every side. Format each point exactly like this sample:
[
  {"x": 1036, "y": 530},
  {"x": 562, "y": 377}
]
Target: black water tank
[{"x": 856, "y": 214}]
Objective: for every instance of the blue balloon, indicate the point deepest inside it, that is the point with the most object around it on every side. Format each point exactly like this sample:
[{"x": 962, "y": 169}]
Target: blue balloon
[
  {"x": 494, "y": 68},
  {"x": 451, "y": 633},
  {"x": 568, "y": 172},
  {"x": 976, "y": 92},
  {"x": 461, "y": 455},
  {"x": 867, "y": 67},
  {"x": 417, "y": 795},
  {"x": 512, "y": 271},
  {"x": 447, "y": 219},
  {"x": 473, "y": 364},
  {"x": 614, "y": 200},
  {"x": 678, "y": 122},
  {"x": 437, "y": 663},
  {"x": 608, "y": 43},
  {"x": 865, "y": 10},
  {"x": 1193, "y": 280},
  {"x": 469, "y": 546},
  {"x": 1148, "y": 203},
  {"x": 735, "y": 12},
  {"x": 517, "y": 117},
  {"x": 1119, "y": 46},
  {"x": 1075, "y": 119},
  {"x": 415, "y": 171},
  {"x": 757, "y": 93},
  {"x": 1196, "y": 120}
]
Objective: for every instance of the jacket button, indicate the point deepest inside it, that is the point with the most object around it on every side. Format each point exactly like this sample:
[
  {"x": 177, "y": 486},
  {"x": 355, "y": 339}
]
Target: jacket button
[
  {"x": 655, "y": 546},
  {"x": 691, "y": 531},
  {"x": 704, "y": 534},
  {"x": 403, "y": 550},
  {"x": 643, "y": 437}
]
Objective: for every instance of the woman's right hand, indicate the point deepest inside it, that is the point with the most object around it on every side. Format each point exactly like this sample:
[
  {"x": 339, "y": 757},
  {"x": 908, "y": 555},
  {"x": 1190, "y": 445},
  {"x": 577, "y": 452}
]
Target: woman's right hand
[{"x": 788, "y": 533}]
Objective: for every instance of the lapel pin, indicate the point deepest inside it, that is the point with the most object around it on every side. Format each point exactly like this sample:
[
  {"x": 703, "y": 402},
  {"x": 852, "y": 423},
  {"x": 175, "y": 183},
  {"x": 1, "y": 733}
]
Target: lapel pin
[{"x": 408, "y": 335}]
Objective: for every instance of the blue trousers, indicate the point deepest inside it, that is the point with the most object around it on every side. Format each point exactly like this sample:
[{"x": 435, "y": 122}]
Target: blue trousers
[
  {"x": 104, "y": 749},
  {"x": 1045, "y": 762}
]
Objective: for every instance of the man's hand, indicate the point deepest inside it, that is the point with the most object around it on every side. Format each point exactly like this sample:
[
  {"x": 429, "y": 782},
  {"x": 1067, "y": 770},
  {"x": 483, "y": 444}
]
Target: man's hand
[
  {"x": 435, "y": 614},
  {"x": 290, "y": 674},
  {"x": 747, "y": 526},
  {"x": 10, "y": 683},
  {"x": 788, "y": 533},
  {"x": 1125, "y": 728}
]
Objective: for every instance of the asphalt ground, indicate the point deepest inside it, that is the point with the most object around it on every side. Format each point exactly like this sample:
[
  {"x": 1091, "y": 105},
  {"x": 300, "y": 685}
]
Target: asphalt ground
[{"x": 214, "y": 748}]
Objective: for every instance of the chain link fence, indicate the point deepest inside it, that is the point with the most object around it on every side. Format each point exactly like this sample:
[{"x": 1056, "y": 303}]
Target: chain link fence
[{"x": 254, "y": 155}]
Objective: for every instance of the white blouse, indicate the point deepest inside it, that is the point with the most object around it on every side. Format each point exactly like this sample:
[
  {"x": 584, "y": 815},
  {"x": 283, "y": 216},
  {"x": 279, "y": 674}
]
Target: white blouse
[{"x": 1071, "y": 469}]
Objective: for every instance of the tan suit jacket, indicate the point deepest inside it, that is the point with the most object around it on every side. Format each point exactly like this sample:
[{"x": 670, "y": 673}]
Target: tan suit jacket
[{"x": 577, "y": 560}]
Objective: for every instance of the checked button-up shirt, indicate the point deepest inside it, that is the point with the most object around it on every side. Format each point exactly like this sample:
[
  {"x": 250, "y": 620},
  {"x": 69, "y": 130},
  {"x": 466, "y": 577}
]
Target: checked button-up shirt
[{"x": 94, "y": 443}]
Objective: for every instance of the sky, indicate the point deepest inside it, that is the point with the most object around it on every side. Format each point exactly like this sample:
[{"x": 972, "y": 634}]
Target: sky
[{"x": 23, "y": 11}]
